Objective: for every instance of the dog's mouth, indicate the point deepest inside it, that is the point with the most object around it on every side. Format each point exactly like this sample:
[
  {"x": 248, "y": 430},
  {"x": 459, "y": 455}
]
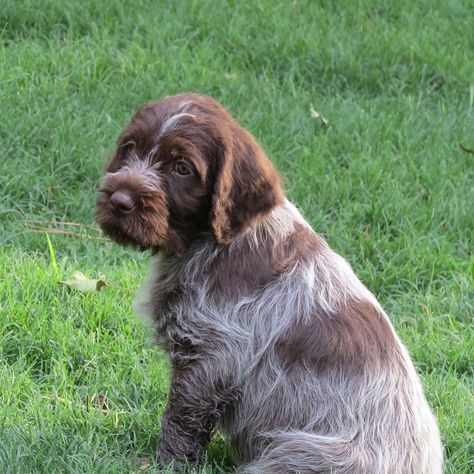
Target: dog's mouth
[{"x": 129, "y": 223}]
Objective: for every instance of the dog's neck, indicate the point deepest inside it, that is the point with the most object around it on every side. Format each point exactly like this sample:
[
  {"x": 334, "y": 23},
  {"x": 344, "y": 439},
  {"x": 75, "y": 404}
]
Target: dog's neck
[
  {"x": 267, "y": 230},
  {"x": 248, "y": 262}
]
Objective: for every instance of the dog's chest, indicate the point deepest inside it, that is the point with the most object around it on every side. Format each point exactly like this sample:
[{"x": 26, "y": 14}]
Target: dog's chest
[{"x": 169, "y": 302}]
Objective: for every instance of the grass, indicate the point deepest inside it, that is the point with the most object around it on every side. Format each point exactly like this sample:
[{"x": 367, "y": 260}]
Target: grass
[{"x": 81, "y": 385}]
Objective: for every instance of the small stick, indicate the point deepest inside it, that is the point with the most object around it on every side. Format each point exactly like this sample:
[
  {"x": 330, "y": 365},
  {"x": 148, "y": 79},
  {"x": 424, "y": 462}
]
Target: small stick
[
  {"x": 46, "y": 230},
  {"x": 466, "y": 149},
  {"x": 66, "y": 223}
]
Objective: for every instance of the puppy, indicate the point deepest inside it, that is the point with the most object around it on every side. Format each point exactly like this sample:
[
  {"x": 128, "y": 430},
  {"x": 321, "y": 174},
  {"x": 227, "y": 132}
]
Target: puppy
[{"x": 271, "y": 336}]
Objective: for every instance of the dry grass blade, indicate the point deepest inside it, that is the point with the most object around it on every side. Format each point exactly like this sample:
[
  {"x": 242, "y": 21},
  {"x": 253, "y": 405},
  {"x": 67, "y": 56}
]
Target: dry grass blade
[
  {"x": 313, "y": 113},
  {"x": 466, "y": 149},
  {"x": 98, "y": 403},
  {"x": 101, "y": 402},
  {"x": 36, "y": 222},
  {"x": 51, "y": 230}
]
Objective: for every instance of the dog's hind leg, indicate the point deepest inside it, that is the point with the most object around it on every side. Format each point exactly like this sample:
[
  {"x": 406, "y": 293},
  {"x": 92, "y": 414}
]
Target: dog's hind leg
[{"x": 308, "y": 453}]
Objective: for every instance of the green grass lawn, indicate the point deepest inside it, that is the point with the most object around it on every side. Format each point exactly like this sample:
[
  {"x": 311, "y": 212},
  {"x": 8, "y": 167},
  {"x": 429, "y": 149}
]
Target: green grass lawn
[{"x": 82, "y": 386}]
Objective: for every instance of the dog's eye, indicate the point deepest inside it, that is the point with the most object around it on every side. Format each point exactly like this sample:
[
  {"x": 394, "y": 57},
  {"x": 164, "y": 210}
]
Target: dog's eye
[
  {"x": 127, "y": 146},
  {"x": 182, "y": 169}
]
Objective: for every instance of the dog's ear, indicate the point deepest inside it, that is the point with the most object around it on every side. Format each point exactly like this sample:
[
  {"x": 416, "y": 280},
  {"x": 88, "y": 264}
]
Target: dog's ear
[{"x": 246, "y": 186}]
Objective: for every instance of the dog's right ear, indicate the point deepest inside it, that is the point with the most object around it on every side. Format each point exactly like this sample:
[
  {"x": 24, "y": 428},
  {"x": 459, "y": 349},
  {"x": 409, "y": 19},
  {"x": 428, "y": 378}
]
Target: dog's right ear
[{"x": 246, "y": 186}]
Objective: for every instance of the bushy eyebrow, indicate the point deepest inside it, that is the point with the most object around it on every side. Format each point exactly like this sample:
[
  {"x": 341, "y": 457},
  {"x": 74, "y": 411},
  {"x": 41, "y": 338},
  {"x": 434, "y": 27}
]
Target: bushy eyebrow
[
  {"x": 172, "y": 121},
  {"x": 126, "y": 138},
  {"x": 196, "y": 160},
  {"x": 128, "y": 141}
]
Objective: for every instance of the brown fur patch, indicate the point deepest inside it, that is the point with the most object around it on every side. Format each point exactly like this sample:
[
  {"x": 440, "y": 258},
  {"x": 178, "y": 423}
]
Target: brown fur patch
[
  {"x": 301, "y": 244},
  {"x": 357, "y": 336}
]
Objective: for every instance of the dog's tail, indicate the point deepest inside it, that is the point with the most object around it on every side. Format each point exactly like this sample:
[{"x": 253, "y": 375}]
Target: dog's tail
[
  {"x": 299, "y": 452},
  {"x": 307, "y": 453}
]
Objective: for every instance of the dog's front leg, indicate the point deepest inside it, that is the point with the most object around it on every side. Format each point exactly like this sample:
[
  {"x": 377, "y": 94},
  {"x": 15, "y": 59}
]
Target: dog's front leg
[{"x": 197, "y": 397}]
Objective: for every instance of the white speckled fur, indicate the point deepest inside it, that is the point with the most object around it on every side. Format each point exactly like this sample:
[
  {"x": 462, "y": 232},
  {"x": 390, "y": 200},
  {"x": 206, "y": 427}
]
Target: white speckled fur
[{"x": 375, "y": 422}]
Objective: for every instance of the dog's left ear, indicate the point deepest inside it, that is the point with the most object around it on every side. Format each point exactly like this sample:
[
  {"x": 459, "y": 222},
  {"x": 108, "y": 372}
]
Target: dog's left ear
[{"x": 246, "y": 186}]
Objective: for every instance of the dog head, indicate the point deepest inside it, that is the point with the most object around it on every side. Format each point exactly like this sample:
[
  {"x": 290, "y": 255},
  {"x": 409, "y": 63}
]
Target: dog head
[{"x": 184, "y": 167}]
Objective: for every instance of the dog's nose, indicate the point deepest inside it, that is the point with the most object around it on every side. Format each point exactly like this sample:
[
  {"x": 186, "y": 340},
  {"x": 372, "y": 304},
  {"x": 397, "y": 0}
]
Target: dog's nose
[{"x": 122, "y": 202}]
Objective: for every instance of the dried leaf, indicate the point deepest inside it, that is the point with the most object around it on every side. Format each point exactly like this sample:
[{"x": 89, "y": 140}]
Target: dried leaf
[
  {"x": 316, "y": 115},
  {"x": 100, "y": 401},
  {"x": 83, "y": 284},
  {"x": 145, "y": 466}
]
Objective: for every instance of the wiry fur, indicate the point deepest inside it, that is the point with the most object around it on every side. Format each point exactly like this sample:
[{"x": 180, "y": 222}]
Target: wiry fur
[
  {"x": 271, "y": 336},
  {"x": 373, "y": 421}
]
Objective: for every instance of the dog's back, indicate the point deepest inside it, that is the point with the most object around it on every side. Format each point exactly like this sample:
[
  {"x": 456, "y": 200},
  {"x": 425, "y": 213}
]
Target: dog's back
[
  {"x": 330, "y": 387},
  {"x": 323, "y": 382}
]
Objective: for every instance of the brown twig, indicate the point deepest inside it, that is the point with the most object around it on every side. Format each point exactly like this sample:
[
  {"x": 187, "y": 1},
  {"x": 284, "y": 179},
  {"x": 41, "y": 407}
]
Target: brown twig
[
  {"x": 47, "y": 230},
  {"x": 466, "y": 149},
  {"x": 63, "y": 223}
]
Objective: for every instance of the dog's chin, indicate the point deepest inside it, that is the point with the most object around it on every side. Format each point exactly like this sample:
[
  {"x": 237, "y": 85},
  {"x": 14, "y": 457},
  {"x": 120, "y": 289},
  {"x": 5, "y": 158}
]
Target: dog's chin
[{"x": 125, "y": 239}]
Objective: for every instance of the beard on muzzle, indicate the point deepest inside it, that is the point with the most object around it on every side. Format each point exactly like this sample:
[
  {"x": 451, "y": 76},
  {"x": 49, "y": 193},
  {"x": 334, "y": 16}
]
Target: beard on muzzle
[{"x": 141, "y": 228}]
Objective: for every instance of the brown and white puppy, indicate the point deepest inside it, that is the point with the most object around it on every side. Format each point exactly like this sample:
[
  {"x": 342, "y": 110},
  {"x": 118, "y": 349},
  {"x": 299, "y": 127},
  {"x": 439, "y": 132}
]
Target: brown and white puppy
[{"x": 271, "y": 336}]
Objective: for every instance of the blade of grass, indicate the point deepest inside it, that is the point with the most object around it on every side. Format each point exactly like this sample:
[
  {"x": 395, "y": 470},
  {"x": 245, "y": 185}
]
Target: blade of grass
[{"x": 52, "y": 257}]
